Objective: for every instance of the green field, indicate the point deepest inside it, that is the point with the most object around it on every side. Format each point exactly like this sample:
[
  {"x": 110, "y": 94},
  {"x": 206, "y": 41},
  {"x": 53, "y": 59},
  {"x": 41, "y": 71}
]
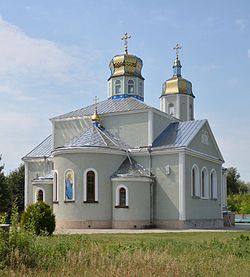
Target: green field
[{"x": 168, "y": 254}]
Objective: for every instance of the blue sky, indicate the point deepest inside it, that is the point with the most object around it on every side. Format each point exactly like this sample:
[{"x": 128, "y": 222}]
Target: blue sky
[{"x": 54, "y": 58}]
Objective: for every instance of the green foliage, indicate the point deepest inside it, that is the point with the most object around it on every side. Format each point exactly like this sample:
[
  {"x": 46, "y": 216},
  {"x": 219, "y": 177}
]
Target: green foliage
[
  {"x": 234, "y": 184},
  {"x": 4, "y": 194},
  {"x": 38, "y": 218},
  {"x": 15, "y": 184},
  {"x": 169, "y": 254},
  {"x": 239, "y": 203}
]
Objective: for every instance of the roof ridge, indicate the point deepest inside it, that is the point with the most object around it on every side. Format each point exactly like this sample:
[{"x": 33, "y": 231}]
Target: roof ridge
[{"x": 108, "y": 137}]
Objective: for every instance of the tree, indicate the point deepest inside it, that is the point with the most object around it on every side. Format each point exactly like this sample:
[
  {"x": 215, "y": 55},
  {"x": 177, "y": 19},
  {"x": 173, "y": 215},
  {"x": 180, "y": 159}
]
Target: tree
[
  {"x": 4, "y": 195},
  {"x": 232, "y": 180},
  {"x": 39, "y": 219},
  {"x": 15, "y": 184},
  {"x": 245, "y": 204}
]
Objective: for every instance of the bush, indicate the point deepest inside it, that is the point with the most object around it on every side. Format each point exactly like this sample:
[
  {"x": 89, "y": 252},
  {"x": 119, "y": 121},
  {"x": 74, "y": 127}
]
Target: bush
[{"x": 38, "y": 218}]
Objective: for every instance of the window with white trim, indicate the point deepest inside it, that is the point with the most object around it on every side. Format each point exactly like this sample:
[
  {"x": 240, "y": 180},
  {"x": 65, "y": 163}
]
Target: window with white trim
[
  {"x": 118, "y": 87},
  {"x": 171, "y": 109},
  {"x": 131, "y": 87},
  {"x": 55, "y": 187},
  {"x": 204, "y": 183},
  {"x": 90, "y": 186},
  {"x": 213, "y": 184},
  {"x": 121, "y": 197},
  {"x": 195, "y": 185}
]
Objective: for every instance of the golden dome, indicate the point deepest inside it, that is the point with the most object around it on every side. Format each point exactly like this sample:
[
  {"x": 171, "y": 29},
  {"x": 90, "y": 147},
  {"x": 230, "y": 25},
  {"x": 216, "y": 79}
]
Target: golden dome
[
  {"x": 126, "y": 64},
  {"x": 177, "y": 85},
  {"x": 95, "y": 117}
]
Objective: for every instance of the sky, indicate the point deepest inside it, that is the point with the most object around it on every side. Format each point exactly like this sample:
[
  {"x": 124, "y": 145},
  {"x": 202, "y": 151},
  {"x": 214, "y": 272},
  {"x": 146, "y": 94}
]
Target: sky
[{"x": 54, "y": 58}]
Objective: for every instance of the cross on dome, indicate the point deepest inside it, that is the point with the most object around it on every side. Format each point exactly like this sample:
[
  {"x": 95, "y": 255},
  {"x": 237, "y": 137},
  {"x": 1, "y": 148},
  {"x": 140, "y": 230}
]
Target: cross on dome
[
  {"x": 177, "y": 48},
  {"x": 125, "y": 37}
]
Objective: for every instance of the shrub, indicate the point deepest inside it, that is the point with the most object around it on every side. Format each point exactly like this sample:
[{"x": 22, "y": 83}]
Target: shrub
[{"x": 38, "y": 218}]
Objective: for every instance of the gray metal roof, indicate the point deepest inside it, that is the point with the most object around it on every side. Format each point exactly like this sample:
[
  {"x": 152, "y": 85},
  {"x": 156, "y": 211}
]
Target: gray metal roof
[
  {"x": 130, "y": 168},
  {"x": 107, "y": 106},
  {"x": 178, "y": 134},
  {"x": 42, "y": 150},
  {"x": 96, "y": 137},
  {"x": 48, "y": 176}
]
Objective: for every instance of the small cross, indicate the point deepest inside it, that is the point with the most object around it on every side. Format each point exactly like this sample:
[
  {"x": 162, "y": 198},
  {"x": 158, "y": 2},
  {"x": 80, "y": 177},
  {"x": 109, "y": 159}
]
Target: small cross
[
  {"x": 95, "y": 100},
  {"x": 176, "y": 48},
  {"x": 125, "y": 38}
]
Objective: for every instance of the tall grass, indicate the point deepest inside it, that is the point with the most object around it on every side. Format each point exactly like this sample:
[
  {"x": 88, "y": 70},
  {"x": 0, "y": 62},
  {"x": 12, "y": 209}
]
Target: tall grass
[{"x": 183, "y": 254}]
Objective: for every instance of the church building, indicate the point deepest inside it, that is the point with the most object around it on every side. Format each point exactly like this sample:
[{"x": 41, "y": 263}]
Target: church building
[{"x": 121, "y": 163}]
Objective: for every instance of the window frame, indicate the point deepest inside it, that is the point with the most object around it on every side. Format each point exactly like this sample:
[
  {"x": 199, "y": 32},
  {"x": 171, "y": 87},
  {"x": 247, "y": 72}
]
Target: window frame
[
  {"x": 206, "y": 184},
  {"x": 55, "y": 187},
  {"x": 85, "y": 195},
  {"x": 197, "y": 192},
  {"x": 117, "y": 199},
  {"x": 36, "y": 194},
  {"x": 131, "y": 84},
  {"x": 116, "y": 85},
  {"x": 213, "y": 185}
]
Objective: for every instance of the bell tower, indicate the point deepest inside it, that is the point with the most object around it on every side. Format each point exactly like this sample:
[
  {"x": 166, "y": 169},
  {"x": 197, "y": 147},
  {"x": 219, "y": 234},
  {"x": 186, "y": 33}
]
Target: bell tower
[
  {"x": 126, "y": 79},
  {"x": 177, "y": 98}
]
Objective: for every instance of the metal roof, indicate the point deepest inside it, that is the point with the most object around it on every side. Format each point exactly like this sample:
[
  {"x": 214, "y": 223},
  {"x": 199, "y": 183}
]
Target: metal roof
[
  {"x": 42, "y": 150},
  {"x": 107, "y": 106},
  {"x": 96, "y": 137},
  {"x": 48, "y": 176},
  {"x": 130, "y": 168},
  {"x": 178, "y": 134}
]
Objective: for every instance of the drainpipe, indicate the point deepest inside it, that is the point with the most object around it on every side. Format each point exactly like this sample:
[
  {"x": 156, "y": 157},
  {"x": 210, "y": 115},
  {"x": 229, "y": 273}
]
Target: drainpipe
[{"x": 151, "y": 185}]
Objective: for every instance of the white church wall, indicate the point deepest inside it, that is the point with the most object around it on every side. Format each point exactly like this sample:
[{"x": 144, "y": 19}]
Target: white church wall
[
  {"x": 78, "y": 214},
  {"x": 198, "y": 207},
  {"x": 47, "y": 190},
  {"x": 66, "y": 130},
  {"x": 137, "y": 215},
  {"x": 131, "y": 128},
  {"x": 35, "y": 169},
  {"x": 166, "y": 189}
]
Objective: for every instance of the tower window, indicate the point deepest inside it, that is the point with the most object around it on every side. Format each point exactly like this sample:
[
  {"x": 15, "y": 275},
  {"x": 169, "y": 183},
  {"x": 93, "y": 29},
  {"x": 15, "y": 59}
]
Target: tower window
[
  {"x": 140, "y": 88},
  {"x": 131, "y": 87},
  {"x": 118, "y": 88},
  {"x": 171, "y": 109}
]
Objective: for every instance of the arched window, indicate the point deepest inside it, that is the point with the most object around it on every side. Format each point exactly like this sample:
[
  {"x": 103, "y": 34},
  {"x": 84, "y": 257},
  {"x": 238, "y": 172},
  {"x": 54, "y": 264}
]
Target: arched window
[
  {"x": 213, "y": 184},
  {"x": 118, "y": 87},
  {"x": 90, "y": 186},
  {"x": 39, "y": 195},
  {"x": 195, "y": 186},
  {"x": 204, "y": 183},
  {"x": 121, "y": 197},
  {"x": 191, "y": 111},
  {"x": 171, "y": 109},
  {"x": 131, "y": 87},
  {"x": 69, "y": 185},
  {"x": 55, "y": 187}
]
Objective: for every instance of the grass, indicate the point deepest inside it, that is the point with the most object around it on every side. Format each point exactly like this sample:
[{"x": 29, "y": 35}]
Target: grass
[{"x": 167, "y": 254}]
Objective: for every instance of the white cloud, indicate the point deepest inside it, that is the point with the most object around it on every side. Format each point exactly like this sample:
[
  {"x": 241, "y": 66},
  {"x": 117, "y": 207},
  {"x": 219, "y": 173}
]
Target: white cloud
[
  {"x": 23, "y": 55},
  {"x": 240, "y": 23}
]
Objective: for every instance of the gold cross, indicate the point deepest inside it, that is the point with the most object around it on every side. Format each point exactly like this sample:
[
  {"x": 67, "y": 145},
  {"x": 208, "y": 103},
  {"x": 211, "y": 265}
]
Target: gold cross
[
  {"x": 176, "y": 48},
  {"x": 125, "y": 38}
]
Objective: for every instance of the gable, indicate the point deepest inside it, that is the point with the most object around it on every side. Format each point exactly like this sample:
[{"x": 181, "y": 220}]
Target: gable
[{"x": 204, "y": 142}]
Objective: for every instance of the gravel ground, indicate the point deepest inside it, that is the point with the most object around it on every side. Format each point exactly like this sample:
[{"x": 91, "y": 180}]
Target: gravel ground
[{"x": 238, "y": 227}]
